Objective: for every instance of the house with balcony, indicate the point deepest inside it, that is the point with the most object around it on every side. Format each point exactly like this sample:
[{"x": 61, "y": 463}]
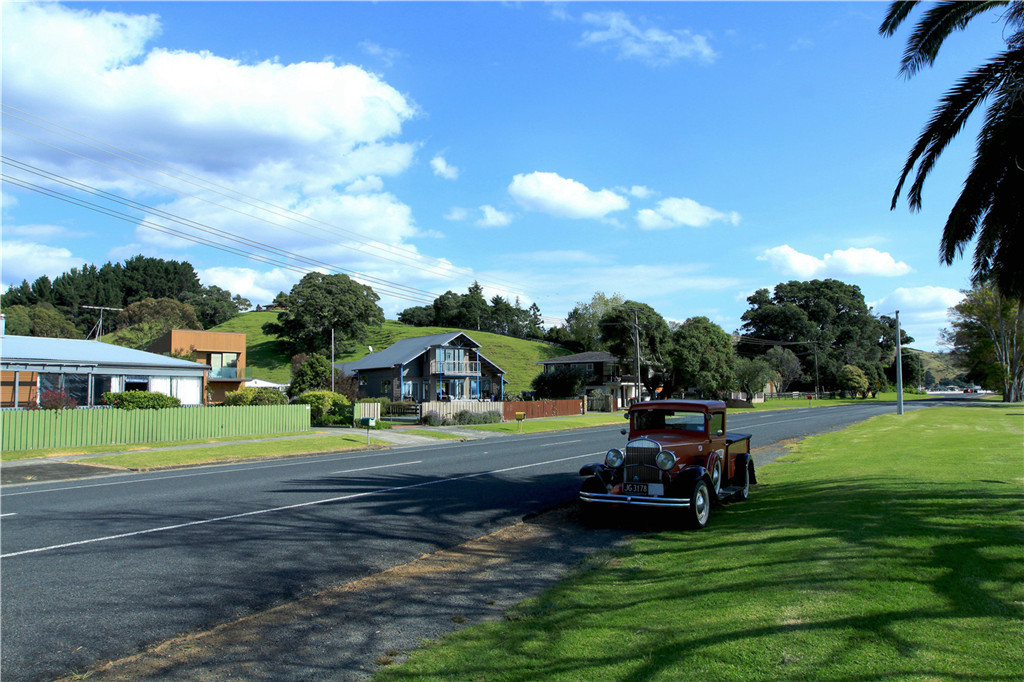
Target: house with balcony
[
  {"x": 604, "y": 371},
  {"x": 445, "y": 366},
  {"x": 224, "y": 352}
]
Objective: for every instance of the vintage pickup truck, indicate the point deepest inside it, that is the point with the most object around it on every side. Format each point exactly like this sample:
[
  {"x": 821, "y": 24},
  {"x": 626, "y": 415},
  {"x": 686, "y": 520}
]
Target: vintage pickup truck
[{"x": 679, "y": 456}]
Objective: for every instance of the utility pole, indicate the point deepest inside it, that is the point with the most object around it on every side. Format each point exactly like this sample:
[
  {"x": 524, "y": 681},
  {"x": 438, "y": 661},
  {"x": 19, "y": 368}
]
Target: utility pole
[
  {"x": 332, "y": 359},
  {"x": 98, "y": 327},
  {"x": 817, "y": 387},
  {"x": 636, "y": 351},
  {"x": 899, "y": 367}
]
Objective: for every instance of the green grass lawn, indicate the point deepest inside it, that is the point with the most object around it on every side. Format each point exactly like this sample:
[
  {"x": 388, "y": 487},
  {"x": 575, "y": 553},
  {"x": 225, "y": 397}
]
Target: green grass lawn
[
  {"x": 348, "y": 439},
  {"x": 553, "y": 423},
  {"x": 8, "y": 456},
  {"x": 891, "y": 550}
]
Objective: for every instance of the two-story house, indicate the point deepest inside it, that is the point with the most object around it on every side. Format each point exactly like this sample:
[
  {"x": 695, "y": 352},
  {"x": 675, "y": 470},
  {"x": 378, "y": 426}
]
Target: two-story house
[
  {"x": 604, "y": 371},
  {"x": 224, "y": 352},
  {"x": 445, "y": 366}
]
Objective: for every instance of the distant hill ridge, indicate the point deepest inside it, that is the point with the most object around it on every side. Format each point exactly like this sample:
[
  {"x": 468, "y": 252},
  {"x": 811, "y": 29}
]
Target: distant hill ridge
[{"x": 267, "y": 361}]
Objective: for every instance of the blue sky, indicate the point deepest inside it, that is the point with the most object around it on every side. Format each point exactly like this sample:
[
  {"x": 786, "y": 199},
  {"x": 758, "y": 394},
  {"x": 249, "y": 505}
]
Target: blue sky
[{"x": 679, "y": 154}]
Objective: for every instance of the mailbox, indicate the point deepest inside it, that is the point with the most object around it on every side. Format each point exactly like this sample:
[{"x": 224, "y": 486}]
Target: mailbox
[
  {"x": 520, "y": 416},
  {"x": 368, "y": 422}
]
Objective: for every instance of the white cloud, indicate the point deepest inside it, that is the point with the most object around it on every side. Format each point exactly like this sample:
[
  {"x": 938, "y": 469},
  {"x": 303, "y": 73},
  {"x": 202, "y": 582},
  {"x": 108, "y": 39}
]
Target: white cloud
[
  {"x": 311, "y": 137},
  {"x": 39, "y": 231},
  {"x": 790, "y": 261},
  {"x": 927, "y": 300},
  {"x": 367, "y": 185},
  {"x": 674, "y": 212},
  {"x": 310, "y": 141},
  {"x": 560, "y": 257},
  {"x": 260, "y": 287},
  {"x": 640, "y": 192},
  {"x": 652, "y": 45},
  {"x": 387, "y": 55},
  {"x": 443, "y": 169},
  {"x": 854, "y": 261},
  {"x": 840, "y": 262},
  {"x": 923, "y": 311},
  {"x": 493, "y": 217},
  {"x": 563, "y": 197},
  {"x": 456, "y": 213},
  {"x": 29, "y": 261}
]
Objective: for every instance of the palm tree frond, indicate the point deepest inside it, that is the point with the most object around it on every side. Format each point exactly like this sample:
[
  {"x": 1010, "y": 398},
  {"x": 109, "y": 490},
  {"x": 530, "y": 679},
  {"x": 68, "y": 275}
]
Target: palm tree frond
[
  {"x": 898, "y": 12},
  {"x": 947, "y": 121},
  {"x": 937, "y": 24}
]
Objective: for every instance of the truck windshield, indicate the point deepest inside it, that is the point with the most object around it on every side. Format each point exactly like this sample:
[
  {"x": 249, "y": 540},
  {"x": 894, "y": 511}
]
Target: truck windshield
[{"x": 664, "y": 419}]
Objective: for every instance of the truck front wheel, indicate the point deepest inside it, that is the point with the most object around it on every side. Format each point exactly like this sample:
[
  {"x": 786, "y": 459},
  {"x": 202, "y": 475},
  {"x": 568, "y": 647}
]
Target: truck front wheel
[{"x": 699, "y": 512}]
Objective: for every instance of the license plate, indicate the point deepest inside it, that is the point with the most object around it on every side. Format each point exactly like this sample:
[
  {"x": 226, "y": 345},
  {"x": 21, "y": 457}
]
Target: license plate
[{"x": 647, "y": 489}]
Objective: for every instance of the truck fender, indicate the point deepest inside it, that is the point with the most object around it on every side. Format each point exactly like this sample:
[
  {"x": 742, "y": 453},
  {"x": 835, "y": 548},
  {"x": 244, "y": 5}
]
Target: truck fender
[
  {"x": 592, "y": 469},
  {"x": 683, "y": 481},
  {"x": 745, "y": 461}
]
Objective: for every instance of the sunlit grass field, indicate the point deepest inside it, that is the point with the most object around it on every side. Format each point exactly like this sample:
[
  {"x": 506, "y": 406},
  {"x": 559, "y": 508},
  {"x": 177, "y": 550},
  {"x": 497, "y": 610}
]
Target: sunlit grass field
[{"x": 891, "y": 550}]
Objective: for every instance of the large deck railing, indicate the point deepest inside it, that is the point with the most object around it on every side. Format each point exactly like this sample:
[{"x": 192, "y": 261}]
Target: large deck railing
[{"x": 455, "y": 368}]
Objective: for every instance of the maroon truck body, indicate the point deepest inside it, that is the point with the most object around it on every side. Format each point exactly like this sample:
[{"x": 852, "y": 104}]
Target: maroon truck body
[{"x": 680, "y": 457}]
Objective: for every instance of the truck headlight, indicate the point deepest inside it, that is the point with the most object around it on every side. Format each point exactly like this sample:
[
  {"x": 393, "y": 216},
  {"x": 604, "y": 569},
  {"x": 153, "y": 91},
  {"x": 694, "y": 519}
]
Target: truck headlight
[
  {"x": 665, "y": 460},
  {"x": 614, "y": 458}
]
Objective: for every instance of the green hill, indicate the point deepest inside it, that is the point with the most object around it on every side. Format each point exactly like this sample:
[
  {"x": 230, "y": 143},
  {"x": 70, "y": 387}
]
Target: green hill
[
  {"x": 942, "y": 366},
  {"x": 268, "y": 361}
]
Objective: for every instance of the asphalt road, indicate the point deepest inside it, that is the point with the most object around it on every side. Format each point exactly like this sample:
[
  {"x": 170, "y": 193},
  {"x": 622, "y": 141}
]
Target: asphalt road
[{"x": 100, "y": 568}]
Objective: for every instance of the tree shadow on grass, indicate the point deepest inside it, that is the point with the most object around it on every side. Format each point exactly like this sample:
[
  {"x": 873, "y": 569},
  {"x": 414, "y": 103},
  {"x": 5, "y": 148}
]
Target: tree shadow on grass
[{"x": 902, "y": 559}]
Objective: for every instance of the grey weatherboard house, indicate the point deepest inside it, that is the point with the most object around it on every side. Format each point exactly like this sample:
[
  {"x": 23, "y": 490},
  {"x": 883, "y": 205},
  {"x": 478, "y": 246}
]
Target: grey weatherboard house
[{"x": 445, "y": 366}]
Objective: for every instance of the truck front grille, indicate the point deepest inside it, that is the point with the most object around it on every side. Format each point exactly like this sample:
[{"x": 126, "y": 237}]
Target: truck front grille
[{"x": 640, "y": 466}]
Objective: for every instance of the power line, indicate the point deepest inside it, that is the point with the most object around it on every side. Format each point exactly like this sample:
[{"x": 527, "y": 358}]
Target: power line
[
  {"x": 269, "y": 260},
  {"x": 206, "y": 228},
  {"x": 414, "y": 257}
]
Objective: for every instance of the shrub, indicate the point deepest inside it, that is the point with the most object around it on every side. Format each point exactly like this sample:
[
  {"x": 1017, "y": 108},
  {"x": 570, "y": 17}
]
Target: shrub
[
  {"x": 432, "y": 418},
  {"x": 322, "y": 404},
  {"x": 385, "y": 403},
  {"x": 140, "y": 400},
  {"x": 250, "y": 395},
  {"x": 465, "y": 417},
  {"x": 57, "y": 400}
]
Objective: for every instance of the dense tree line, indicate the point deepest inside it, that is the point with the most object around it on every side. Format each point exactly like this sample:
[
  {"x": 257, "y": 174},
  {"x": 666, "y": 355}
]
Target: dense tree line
[
  {"x": 800, "y": 334},
  {"x": 472, "y": 311},
  {"x": 829, "y": 327},
  {"x": 57, "y": 308}
]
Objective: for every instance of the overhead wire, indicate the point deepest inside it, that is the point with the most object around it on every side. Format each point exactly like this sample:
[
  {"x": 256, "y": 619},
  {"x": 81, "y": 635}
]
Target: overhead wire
[
  {"x": 415, "y": 259},
  {"x": 311, "y": 265}
]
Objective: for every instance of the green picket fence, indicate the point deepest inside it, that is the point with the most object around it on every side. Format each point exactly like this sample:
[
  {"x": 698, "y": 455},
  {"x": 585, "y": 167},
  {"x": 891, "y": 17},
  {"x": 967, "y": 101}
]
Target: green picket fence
[{"x": 34, "y": 429}]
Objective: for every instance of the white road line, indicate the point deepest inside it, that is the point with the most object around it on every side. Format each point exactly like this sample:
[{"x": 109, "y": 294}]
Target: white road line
[
  {"x": 564, "y": 442},
  {"x": 300, "y": 505},
  {"x": 221, "y": 469},
  {"x": 3, "y": 516}
]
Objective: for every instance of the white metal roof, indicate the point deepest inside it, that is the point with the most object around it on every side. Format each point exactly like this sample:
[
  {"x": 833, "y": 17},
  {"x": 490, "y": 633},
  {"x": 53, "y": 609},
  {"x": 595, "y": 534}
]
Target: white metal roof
[{"x": 43, "y": 354}]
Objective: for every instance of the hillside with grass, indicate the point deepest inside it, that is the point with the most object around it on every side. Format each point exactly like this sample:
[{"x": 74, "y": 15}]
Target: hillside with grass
[
  {"x": 270, "y": 362},
  {"x": 941, "y": 365}
]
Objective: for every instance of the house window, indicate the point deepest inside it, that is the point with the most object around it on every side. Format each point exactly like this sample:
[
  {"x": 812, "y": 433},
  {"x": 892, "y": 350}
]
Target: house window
[
  {"x": 77, "y": 386},
  {"x": 137, "y": 383},
  {"x": 224, "y": 365},
  {"x": 385, "y": 388}
]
